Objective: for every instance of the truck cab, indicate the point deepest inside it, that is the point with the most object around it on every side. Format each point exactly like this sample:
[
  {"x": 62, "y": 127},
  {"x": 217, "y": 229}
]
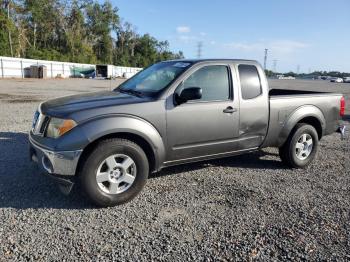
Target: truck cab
[{"x": 231, "y": 115}]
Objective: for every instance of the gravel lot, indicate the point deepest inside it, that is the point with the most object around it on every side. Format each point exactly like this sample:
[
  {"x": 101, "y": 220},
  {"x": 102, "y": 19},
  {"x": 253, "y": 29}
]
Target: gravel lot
[{"x": 246, "y": 207}]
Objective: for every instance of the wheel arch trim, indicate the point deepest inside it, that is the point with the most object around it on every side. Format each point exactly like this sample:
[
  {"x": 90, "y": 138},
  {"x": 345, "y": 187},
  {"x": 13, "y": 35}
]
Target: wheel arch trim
[
  {"x": 111, "y": 126},
  {"x": 298, "y": 115}
]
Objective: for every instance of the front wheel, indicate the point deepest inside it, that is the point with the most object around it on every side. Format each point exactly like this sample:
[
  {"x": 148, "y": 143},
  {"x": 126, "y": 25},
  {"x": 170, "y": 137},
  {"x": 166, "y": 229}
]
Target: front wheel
[
  {"x": 301, "y": 146},
  {"x": 114, "y": 172}
]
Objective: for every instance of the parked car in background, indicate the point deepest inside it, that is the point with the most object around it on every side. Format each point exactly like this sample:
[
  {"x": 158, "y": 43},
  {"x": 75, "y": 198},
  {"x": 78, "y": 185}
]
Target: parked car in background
[
  {"x": 282, "y": 77},
  {"x": 337, "y": 80},
  {"x": 346, "y": 79}
]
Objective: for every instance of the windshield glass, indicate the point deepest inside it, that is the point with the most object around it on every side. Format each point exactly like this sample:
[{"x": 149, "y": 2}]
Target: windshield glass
[{"x": 155, "y": 78}]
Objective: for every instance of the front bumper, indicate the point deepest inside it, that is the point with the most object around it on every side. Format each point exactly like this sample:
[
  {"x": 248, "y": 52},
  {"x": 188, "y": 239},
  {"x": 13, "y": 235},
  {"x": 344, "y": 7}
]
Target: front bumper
[{"x": 62, "y": 163}]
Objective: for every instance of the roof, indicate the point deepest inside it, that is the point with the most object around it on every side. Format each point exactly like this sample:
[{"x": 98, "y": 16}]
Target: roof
[{"x": 212, "y": 60}]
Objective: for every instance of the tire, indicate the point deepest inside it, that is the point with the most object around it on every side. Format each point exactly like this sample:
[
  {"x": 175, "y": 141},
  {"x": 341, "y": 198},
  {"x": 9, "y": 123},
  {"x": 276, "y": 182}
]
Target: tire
[
  {"x": 114, "y": 172},
  {"x": 301, "y": 146}
]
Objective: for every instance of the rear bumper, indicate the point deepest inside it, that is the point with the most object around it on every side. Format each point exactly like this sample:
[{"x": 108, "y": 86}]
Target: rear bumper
[
  {"x": 344, "y": 132},
  {"x": 61, "y": 163}
]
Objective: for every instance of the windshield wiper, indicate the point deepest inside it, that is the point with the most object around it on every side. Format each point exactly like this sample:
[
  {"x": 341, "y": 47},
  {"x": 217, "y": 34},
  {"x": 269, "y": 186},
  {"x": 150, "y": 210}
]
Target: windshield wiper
[{"x": 132, "y": 92}]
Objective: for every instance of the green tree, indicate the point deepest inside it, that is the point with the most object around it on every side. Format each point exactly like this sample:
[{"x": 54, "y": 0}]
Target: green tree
[
  {"x": 76, "y": 31},
  {"x": 101, "y": 20}
]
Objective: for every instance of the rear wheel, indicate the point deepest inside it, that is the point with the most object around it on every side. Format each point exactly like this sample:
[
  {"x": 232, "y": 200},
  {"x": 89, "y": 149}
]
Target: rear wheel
[
  {"x": 115, "y": 172},
  {"x": 301, "y": 146}
]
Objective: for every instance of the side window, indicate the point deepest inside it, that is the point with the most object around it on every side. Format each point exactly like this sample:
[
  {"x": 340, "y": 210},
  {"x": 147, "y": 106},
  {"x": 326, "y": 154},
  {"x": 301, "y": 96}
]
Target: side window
[
  {"x": 250, "y": 81},
  {"x": 214, "y": 81}
]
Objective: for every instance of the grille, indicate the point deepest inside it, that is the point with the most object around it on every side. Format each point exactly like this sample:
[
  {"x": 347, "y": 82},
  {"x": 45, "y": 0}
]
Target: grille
[{"x": 40, "y": 125}]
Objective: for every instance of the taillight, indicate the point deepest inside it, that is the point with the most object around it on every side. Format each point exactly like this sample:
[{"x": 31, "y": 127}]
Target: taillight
[{"x": 342, "y": 107}]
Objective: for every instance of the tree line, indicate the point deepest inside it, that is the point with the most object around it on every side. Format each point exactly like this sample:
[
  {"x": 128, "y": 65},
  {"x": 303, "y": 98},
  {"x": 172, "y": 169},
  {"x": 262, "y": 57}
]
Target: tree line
[{"x": 82, "y": 31}]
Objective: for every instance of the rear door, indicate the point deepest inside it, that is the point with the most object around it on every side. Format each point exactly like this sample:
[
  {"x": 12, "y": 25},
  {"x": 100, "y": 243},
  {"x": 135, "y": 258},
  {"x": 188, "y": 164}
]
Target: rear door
[
  {"x": 254, "y": 105},
  {"x": 207, "y": 126}
]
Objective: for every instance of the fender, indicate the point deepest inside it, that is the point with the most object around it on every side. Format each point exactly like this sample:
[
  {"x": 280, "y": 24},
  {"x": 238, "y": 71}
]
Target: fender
[
  {"x": 92, "y": 129},
  {"x": 296, "y": 116}
]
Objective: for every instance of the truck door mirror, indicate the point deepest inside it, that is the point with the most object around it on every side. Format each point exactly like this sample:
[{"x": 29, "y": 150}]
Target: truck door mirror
[{"x": 190, "y": 93}]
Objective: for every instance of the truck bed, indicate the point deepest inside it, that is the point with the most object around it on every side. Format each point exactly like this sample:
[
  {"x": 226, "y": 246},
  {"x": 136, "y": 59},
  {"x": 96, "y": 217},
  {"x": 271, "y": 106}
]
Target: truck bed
[
  {"x": 284, "y": 102},
  {"x": 319, "y": 86},
  {"x": 283, "y": 92}
]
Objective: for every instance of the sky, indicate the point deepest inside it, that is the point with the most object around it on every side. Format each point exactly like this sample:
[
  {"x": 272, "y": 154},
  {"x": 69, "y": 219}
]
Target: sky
[{"x": 300, "y": 35}]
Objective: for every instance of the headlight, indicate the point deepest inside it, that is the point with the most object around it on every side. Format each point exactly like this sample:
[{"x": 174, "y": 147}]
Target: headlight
[{"x": 57, "y": 127}]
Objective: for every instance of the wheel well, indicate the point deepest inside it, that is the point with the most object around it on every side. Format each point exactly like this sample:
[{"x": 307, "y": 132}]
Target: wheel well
[
  {"x": 313, "y": 121},
  {"x": 147, "y": 148}
]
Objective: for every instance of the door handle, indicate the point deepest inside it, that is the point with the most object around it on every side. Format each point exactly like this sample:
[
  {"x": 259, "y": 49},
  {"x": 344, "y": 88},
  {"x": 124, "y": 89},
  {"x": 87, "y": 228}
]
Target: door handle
[{"x": 230, "y": 110}]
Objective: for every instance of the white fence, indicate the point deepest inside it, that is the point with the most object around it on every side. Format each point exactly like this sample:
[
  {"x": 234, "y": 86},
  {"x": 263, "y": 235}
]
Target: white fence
[{"x": 20, "y": 68}]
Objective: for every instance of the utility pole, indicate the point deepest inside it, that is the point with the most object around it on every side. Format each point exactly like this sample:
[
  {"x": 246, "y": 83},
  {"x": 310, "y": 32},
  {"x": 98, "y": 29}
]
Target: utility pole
[
  {"x": 34, "y": 32},
  {"x": 8, "y": 17},
  {"x": 298, "y": 69},
  {"x": 275, "y": 65},
  {"x": 265, "y": 58},
  {"x": 199, "y": 49}
]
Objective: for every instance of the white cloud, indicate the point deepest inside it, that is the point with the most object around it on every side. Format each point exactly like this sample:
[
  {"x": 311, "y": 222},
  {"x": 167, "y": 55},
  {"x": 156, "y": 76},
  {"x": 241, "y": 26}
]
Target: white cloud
[
  {"x": 277, "y": 46},
  {"x": 187, "y": 38},
  {"x": 244, "y": 46},
  {"x": 202, "y": 33},
  {"x": 183, "y": 29},
  {"x": 287, "y": 46}
]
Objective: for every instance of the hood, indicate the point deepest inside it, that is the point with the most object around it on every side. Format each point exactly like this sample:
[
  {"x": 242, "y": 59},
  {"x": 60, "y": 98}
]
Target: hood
[{"x": 63, "y": 106}]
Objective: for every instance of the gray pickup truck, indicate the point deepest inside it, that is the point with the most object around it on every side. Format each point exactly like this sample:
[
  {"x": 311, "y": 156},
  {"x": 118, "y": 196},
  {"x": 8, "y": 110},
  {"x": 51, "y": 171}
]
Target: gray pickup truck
[{"x": 171, "y": 113}]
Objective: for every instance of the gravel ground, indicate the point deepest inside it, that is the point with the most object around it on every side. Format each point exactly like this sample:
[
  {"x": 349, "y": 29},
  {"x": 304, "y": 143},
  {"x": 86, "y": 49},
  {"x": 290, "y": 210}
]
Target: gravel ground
[{"x": 239, "y": 208}]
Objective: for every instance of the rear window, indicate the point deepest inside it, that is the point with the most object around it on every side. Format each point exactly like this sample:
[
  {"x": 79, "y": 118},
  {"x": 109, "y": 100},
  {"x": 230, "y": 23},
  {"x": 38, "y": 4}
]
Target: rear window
[{"x": 250, "y": 81}]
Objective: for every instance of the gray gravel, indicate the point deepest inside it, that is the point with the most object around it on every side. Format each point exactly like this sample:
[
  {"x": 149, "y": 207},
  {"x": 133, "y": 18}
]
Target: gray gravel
[{"x": 246, "y": 207}]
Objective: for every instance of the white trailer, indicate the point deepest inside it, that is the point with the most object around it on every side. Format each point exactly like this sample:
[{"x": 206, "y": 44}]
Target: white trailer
[
  {"x": 111, "y": 71},
  {"x": 20, "y": 68}
]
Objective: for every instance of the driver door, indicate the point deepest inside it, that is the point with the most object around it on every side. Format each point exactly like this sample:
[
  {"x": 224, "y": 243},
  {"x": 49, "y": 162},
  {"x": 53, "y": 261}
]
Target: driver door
[{"x": 207, "y": 126}]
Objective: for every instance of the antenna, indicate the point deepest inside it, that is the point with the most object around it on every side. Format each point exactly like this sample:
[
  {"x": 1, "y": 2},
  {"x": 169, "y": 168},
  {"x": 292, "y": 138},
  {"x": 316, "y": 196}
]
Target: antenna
[
  {"x": 265, "y": 58},
  {"x": 199, "y": 49}
]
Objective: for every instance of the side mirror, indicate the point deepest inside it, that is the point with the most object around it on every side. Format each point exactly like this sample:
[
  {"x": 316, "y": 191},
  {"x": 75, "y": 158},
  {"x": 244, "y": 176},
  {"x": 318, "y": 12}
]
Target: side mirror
[{"x": 190, "y": 93}]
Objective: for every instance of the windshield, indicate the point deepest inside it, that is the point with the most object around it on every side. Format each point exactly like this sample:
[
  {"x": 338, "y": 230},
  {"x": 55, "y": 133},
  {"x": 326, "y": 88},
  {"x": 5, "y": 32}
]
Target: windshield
[{"x": 154, "y": 79}]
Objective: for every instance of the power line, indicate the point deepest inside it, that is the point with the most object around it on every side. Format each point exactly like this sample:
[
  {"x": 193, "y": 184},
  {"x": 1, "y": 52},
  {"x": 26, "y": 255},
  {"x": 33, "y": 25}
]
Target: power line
[
  {"x": 265, "y": 58},
  {"x": 275, "y": 65}
]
